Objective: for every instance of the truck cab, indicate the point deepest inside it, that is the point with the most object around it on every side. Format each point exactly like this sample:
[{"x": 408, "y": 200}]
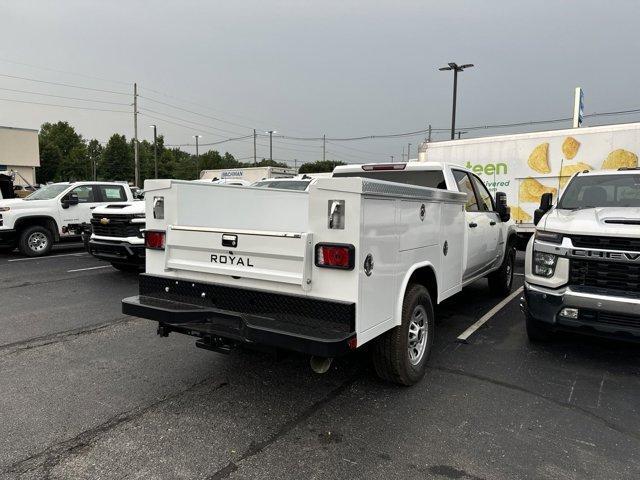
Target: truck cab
[
  {"x": 582, "y": 269},
  {"x": 54, "y": 213}
]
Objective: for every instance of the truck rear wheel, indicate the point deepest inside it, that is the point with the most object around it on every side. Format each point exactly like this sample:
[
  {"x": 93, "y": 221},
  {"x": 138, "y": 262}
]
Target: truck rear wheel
[
  {"x": 400, "y": 355},
  {"x": 501, "y": 281},
  {"x": 35, "y": 241}
]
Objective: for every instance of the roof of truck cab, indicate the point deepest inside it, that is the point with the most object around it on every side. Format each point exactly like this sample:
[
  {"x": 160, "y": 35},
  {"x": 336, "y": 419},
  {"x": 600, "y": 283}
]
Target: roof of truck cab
[
  {"x": 409, "y": 166},
  {"x": 626, "y": 171}
]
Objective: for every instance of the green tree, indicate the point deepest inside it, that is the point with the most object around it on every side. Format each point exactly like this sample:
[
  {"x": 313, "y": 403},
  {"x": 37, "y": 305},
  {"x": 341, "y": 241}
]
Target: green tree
[
  {"x": 94, "y": 157},
  {"x": 62, "y": 153},
  {"x": 117, "y": 160},
  {"x": 320, "y": 166}
]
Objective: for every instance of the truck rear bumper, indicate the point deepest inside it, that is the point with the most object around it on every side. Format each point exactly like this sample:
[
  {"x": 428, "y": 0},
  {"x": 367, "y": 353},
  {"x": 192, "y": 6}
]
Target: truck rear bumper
[
  {"x": 210, "y": 311},
  {"x": 122, "y": 252},
  {"x": 600, "y": 311}
]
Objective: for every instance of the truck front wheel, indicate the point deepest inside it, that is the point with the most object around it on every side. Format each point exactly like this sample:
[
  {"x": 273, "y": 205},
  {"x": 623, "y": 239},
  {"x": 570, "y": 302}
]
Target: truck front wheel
[
  {"x": 400, "y": 355},
  {"x": 501, "y": 281},
  {"x": 35, "y": 241}
]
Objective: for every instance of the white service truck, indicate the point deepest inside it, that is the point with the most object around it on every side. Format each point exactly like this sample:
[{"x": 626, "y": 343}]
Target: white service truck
[
  {"x": 527, "y": 165},
  {"x": 55, "y": 212},
  {"x": 582, "y": 268},
  {"x": 359, "y": 258},
  {"x": 250, "y": 174},
  {"x": 117, "y": 235}
]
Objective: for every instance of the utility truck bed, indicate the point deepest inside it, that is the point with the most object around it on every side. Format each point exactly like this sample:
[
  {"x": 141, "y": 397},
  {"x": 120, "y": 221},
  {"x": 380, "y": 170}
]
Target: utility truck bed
[{"x": 319, "y": 272}]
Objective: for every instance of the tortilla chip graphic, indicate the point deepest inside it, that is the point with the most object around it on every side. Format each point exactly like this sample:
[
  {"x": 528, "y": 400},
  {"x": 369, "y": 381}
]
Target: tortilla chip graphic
[
  {"x": 619, "y": 159},
  {"x": 519, "y": 215},
  {"x": 568, "y": 170},
  {"x": 531, "y": 190},
  {"x": 570, "y": 147},
  {"x": 539, "y": 158}
]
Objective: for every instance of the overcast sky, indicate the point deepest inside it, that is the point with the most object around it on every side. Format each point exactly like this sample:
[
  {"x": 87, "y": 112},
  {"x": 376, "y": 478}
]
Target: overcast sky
[{"x": 307, "y": 68}]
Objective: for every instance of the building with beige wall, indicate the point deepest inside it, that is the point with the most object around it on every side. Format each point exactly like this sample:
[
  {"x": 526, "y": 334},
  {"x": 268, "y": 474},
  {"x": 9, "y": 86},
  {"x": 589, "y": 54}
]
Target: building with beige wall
[{"x": 19, "y": 153}]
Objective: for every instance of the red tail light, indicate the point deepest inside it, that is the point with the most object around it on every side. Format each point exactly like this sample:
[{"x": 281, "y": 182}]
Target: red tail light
[
  {"x": 335, "y": 255},
  {"x": 154, "y": 239}
]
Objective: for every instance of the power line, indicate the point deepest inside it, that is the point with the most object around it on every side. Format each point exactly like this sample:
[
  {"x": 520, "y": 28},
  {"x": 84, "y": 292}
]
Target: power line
[
  {"x": 64, "y": 106},
  {"x": 62, "y": 96},
  {"x": 64, "y": 71},
  {"x": 68, "y": 85},
  {"x": 186, "y": 127},
  {"x": 190, "y": 121},
  {"x": 194, "y": 112},
  {"x": 211, "y": 143}
]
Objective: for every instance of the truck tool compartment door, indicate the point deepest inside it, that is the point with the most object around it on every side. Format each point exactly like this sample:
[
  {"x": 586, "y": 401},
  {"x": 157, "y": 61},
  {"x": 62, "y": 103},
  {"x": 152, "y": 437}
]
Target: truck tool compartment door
[{"x": 261, "y": 255}]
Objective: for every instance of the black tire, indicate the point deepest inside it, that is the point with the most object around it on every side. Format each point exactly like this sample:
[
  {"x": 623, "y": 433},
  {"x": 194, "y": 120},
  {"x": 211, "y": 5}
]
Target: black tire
[
  {"x": 391, "y": 356},
  {"x": 127, "y": 267},
  {"x": 35, "y": 241},
  {"x": 501, "y": 281},
  {"x": 537, "y": 332}
]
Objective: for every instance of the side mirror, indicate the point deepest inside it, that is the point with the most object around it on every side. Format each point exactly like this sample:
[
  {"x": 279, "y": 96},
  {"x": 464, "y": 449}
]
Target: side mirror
[
  {"x": 546, "y": 202},
  {"x": 501, "y": 207},
  {"x": 71, "y": 199}
]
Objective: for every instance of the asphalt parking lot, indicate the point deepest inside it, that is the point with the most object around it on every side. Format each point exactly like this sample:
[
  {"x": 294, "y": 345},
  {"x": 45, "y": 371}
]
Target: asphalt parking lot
[{"x": 88, "y": 393}]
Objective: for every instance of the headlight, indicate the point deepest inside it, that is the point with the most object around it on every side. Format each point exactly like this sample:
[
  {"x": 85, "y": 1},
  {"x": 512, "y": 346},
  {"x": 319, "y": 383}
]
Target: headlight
[
  {"x": 551, "y": 237},
  {"x": 5, "y": 209},
  {"x": 544, "y": 264}
]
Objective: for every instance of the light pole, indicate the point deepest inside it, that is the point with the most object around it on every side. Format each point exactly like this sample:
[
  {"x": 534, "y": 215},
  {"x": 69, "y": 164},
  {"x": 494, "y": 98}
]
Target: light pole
[
  {"x": 197, "y": 156},
  {"x": 155, "y": 148},
  {"x": 271, "y": 132},
  {"x": 408, "y": 152},
  {"x": 456, "y": 68}
]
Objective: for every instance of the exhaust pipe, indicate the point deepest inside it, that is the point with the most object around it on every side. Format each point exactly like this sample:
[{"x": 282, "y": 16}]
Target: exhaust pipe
[{"x": 320, "y": 364}]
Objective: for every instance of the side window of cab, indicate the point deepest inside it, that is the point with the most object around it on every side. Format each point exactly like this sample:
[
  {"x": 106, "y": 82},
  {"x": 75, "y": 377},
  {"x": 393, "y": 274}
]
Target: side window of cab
[
  {"x": 484, "y": 196},
  {"x": 464, "y": 184},
  {"x": 112, "y": 193}
]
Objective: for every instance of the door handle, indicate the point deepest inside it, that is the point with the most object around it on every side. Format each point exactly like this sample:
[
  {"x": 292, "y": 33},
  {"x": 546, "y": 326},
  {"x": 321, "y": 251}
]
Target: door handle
[
  {"x": 91, "y": 208},
  {"x": 473, "y": 225},
  {"x": 492, "y": 223}
]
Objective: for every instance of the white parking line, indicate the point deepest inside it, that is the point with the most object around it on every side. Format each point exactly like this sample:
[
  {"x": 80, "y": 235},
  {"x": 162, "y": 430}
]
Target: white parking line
[
  {"x": 50, "y": 256},
  {"x": 473, "y": 328},
  {"x": 88, "y": 268}
]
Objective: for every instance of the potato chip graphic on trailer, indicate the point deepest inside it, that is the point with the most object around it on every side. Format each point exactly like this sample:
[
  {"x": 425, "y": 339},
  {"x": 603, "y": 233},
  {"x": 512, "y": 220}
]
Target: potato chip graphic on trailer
[
  {"x": 539, "y": 158},
  {"x": 620, "y": 159},
  {"x": 570, "y": 147},
  {"x": 568, "y": 170},
  {"x": 531, "y": 190},
  {"x": 519, "y": 215}
]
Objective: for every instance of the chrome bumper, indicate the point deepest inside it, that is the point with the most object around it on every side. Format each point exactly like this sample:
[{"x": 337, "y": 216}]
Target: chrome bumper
[{"x": 544, "y": 305}]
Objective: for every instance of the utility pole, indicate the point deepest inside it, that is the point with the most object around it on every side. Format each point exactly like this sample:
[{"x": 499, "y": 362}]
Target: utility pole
[
  {"x": 429, "y": 137},
  {"x": 324, "y": 147},
  {"x": 391, "y": 158},
  {"x": 456, "y": 68},
  {"x": 408, "y": 152},
  {"x": 271, "y": 144},
  {"x": 155, "y": 149},
  {"x": 254, "y": 146},
  {"x": 197, "y": 156},
  {"x": 136, "y": 164},
  {"x": 402, "y": 157}
]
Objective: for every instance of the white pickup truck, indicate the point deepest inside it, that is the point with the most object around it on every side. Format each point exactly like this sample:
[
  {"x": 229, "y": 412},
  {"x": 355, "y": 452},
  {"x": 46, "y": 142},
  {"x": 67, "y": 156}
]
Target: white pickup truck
[
  {"x": 116, "y": 235},
  {"x": 582, "y": 269},
  {"x": 53, "y": 213},
  {"x": 360, "y": 257}
]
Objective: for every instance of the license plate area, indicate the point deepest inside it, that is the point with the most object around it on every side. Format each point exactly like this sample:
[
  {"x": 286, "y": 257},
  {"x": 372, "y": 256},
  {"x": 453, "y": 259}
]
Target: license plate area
[{"x": 273, "y": 256}]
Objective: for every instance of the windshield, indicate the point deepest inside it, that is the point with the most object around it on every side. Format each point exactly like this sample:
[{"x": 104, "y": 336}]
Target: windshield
[
  {"x": 48, "y": 192},
  {"x": 300, "y": 185},
  {"x": 594, "y": 191}
]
